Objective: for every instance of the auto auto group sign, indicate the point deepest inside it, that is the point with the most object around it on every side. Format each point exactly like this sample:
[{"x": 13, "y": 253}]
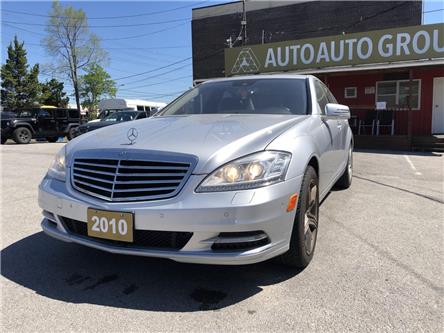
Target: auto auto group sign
[{"x": 380, "y": 46}]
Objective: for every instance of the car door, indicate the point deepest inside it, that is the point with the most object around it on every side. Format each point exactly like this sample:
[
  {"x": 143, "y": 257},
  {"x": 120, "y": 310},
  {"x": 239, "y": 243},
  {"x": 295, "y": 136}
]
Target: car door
[
  {"x": 342, "y": 138},
  {"x": 331, "y": 129},
  {"x": 61, "y": 116},
  {"x": 46, "y": 124}
]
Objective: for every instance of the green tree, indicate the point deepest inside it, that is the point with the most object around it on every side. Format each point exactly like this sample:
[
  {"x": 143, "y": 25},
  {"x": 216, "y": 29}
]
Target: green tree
[
  {"x": 71, "y": 42},
  {"x": 19, "y": 87},
  {"x": 53, "y": 94},
  {"x": 95, "y": 85}
]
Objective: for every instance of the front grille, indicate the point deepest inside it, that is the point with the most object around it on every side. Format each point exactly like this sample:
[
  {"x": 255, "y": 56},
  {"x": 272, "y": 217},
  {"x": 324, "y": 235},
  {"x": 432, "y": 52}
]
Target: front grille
[
  {"x": 129, "y": 180},
  {"x": 169, "y": 240}
]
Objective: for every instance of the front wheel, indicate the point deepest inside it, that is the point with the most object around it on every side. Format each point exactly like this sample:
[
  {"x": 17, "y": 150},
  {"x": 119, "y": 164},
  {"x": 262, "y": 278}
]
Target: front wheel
[
  {"x": 305, "y": 227},
  {"x": 22, "y": 135}
]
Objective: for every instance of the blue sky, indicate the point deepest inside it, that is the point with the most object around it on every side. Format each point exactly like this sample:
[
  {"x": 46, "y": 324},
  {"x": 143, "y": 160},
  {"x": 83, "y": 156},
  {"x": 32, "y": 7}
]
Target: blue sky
[{"x": 162, "y": 43}]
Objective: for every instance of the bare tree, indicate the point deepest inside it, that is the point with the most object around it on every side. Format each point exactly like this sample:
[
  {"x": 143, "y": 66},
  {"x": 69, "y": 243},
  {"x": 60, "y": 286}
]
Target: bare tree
[{"x": 71, "y": 42}]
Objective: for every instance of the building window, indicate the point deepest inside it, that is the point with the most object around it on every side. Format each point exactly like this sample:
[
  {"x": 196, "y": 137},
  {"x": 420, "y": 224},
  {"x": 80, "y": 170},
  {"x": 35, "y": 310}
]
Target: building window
[
  {"x": 397, "y": 94},
  {"x": 350, "y": 92}
]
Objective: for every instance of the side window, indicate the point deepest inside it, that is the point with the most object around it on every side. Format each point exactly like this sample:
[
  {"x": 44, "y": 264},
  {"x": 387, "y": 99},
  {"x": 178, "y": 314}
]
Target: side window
[
  {"x": 321, "y": 96},
  {"x": 60, "y": 113},
  {"x": 73, "y": 113},
  {"x": 44, "y": 114}
]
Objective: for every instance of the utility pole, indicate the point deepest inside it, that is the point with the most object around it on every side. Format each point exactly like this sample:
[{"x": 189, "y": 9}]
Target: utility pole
[{"x": 244, "y": 22}]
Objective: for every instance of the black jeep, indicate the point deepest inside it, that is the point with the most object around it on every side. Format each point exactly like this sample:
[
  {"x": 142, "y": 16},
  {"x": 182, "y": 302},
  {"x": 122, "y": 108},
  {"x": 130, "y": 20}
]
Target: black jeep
[{"x": 47, "y": 123}]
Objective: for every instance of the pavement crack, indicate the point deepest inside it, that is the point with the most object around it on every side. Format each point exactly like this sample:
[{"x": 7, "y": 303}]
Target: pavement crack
[
  {"x": 401, "y": 189},
  {"x": 390, "y": 257}
]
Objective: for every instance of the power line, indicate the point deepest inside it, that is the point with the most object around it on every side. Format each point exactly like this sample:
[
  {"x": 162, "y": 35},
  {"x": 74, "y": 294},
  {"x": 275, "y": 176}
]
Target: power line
[
  {"x": 155, "y": 84},
  {"x": 105, "y": 39},
  {"x": 153, "y": 70},
  {"x": 110, "y": 17},
  {"x": 100, "y": 26},
  {"x": 132, "y": 48}
]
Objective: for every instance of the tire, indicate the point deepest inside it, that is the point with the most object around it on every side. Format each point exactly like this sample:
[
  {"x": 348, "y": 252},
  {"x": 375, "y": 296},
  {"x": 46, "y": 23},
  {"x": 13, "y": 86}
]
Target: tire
[
  {"x": 71, "y": 134},
  {"x": 305, "y": 227},
  {"x": 22, "y": 135},
  {"x": 346, "y": 179},
  {"x": 52, "y": 139}
]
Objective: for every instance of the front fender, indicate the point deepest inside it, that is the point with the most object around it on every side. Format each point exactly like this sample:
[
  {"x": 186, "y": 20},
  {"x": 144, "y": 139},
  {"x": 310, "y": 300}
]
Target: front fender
[
  {"x": 22, "y": 124},
  {"x": 302, "y": 148}
]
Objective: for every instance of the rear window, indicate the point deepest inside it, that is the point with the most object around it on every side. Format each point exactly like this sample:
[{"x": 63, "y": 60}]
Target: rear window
[
  {"x": 73, "y": 113},
  {"x": 249, "y": 96},
  {"x": 61, "y": 113}
]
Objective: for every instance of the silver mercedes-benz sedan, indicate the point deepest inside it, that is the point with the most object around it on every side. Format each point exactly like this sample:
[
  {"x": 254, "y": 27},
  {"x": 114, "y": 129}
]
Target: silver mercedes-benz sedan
[{"x": 231, "y": 172}]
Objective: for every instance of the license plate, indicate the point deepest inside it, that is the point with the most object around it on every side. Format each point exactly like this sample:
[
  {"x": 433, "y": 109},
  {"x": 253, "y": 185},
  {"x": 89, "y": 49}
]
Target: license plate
[{"x": 110, "y": 225}]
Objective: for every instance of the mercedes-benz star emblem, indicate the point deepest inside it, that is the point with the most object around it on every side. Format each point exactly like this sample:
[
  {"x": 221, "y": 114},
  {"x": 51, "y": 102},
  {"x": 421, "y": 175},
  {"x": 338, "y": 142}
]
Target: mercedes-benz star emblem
[{"x": 132, "y": 135}]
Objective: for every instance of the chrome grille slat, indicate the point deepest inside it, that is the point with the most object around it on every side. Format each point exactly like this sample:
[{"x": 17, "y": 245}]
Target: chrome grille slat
[
  {"x": 93, "y": 185},
  {"x": 152, "y": 167},
  {"x": 135, "y": 177},
  {"x": 96, "y": 171},
  {"x": 154, "y": 189},
  {"x": 96, "y": 165},
  {"x": 150, "y": 174},
  {"x": 118, "y": 182},
  {"x": 95, "y": 178}
]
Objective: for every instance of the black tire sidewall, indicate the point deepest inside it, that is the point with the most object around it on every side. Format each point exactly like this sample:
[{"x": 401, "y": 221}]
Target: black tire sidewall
[
  {"x": 70, "y": 135},
  {"x": 297, "y": 255},
  {"x": 17, "y": 138}
]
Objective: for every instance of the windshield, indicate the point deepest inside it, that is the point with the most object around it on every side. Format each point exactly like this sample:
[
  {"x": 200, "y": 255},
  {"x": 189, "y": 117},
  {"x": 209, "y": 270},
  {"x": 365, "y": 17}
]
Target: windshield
[
  {"x": 249, "y": 96},
  {"x": 121, "y": 116}
]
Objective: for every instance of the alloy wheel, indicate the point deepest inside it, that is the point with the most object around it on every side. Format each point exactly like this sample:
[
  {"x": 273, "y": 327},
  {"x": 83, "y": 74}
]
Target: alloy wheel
[
  {"x": 350, "y": 163},
  {"x": 23, "y": 135},
  {"x": 311, "y": 218}
]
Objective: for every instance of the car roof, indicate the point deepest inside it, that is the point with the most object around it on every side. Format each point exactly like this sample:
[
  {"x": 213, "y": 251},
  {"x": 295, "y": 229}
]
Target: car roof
[{"x": 260, "y": 77}]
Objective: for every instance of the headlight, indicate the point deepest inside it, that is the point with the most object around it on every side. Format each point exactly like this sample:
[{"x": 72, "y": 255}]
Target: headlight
[
  {"x": 252, "y": 171},
  {"x": 57, "y": 169}
]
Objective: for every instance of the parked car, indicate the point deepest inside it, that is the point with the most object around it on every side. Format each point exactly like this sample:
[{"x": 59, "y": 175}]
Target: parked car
[
  {"x": 112, "y": 119},
  {"x": 109, "y": 106},
  {"x": 231, "y": 172},
  {"x": 38, "y": 123}
]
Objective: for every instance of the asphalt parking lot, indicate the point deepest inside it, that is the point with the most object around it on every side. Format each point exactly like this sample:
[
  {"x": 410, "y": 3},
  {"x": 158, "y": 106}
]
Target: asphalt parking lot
[{"x": 377, "y": 266}]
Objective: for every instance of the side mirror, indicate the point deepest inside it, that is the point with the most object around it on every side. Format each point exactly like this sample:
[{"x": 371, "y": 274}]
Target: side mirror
[{"x": 337, "y": 111}]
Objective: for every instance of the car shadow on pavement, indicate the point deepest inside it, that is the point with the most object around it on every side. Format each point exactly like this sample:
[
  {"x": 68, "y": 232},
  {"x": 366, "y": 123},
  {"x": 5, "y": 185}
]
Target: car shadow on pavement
[{"x": 77, "y": 274}]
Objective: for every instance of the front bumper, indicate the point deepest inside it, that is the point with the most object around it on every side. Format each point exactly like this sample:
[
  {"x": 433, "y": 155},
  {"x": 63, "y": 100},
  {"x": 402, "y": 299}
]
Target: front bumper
[
  {"x": 6, "y": 132},
  {"x": 206, "y": 215}
]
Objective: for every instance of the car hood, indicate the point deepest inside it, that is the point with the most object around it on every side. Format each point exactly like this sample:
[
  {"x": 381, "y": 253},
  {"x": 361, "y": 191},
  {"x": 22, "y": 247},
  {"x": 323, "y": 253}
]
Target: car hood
[
  {"x": 214, "y": 139},
  {"x": 98, "y": 124}
]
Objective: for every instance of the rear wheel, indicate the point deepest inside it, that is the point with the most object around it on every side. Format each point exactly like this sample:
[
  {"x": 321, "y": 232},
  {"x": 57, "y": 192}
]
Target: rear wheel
[
  {"x": 71, "y": 133},
  {"x": 52, "y": 139},
  {"x": 346, "y": 179},
  {"x": 22, "y": 135},
  {"x": 305, "y": 227}
]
